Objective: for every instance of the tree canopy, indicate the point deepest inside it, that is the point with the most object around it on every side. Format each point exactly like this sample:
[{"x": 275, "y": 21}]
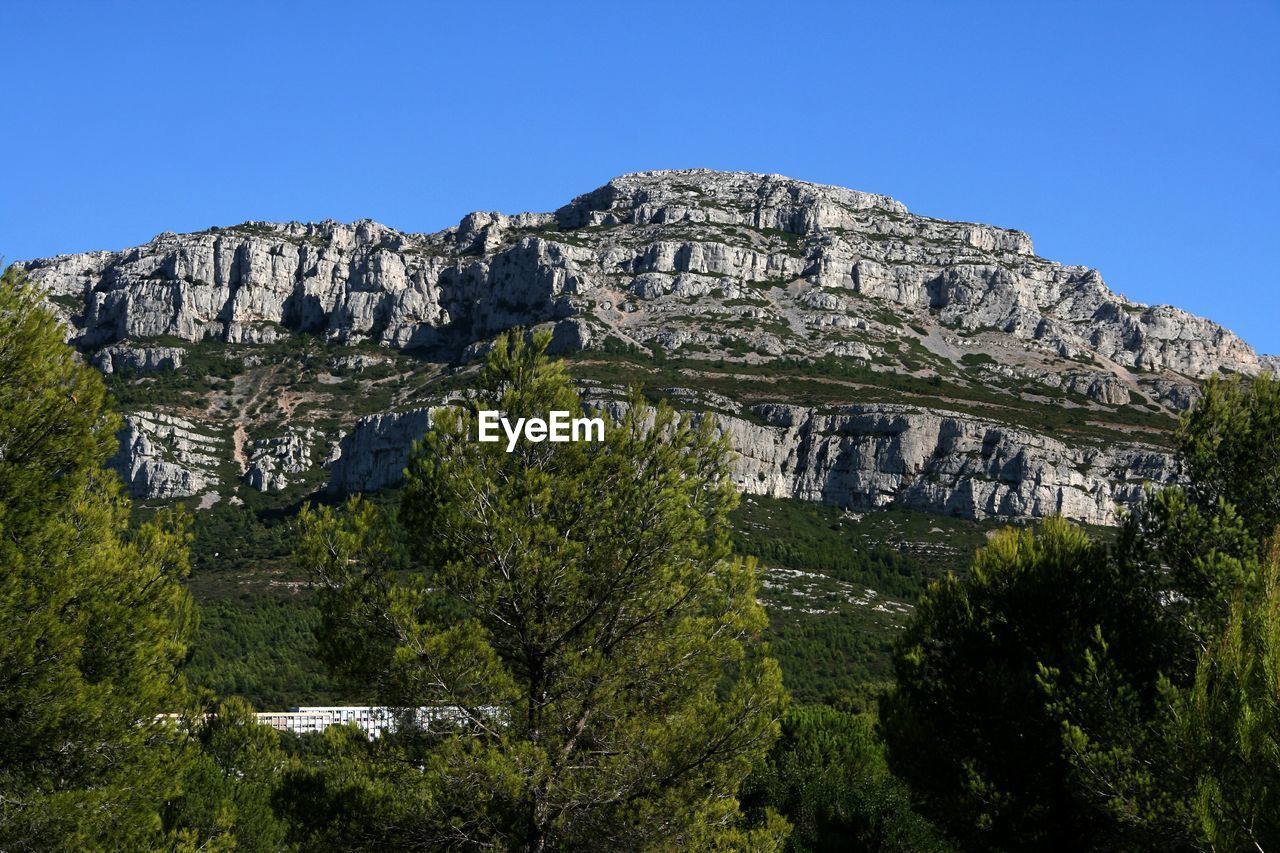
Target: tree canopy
[
  {"x": 93, "y": 618},
  {"x": 1074, "y": 696},
  {"x": 579, "y": 607}
]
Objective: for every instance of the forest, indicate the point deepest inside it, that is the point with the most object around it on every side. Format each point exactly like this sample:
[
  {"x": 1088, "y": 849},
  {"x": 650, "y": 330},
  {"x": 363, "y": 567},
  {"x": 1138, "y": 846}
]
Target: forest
[{"x": 633, "y": 655}]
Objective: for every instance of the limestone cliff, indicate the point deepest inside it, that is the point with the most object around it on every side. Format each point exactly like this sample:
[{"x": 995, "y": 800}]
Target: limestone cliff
[
  {"x": 860, "y": 353},
  {"x": 863, "y": 456}
]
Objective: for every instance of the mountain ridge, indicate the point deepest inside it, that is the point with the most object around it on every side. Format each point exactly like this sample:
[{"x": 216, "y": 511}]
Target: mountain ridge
[
  {"x": 730, "y": 292},
  {"x": 590, "y": 209}
]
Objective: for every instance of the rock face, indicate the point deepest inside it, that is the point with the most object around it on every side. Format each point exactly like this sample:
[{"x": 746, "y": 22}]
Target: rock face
[
  {"x": 165, "y": 457},
  {"x": 375, "y": 453},
  {"x": 873, "y": 455},
  {"x": 272, "y": 460},
  {"x": 116, "y": 358},
  {"x": 862, "y": 457},
  {"x": 637, "y": 239},
  {"x": 731, "y": 268}
]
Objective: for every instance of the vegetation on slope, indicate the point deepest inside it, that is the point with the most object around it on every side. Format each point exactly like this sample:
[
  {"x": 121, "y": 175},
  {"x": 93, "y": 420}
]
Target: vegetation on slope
[
  {"x": 829, "y": 383},
  {"x": 1063, "y": 693}
]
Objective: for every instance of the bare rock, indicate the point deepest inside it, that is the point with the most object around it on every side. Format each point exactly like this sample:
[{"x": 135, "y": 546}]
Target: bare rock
[
  {"x": 165, "y": 457},
  {"x": 113, "y": 359}
]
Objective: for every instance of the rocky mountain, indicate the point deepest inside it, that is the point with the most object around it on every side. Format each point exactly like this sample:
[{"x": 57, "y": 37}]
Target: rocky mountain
[{"x": 855, "y": 353}]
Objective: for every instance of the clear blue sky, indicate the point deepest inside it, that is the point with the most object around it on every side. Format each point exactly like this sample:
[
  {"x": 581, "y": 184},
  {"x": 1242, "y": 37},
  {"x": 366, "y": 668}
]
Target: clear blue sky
[{"x": 1139, "y": 138}]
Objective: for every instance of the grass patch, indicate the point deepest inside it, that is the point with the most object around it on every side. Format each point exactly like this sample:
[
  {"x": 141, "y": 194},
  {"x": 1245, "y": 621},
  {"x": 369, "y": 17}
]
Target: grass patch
[
  {"x": 831, "y": 381},
  {"x": 976, "y": 359}
]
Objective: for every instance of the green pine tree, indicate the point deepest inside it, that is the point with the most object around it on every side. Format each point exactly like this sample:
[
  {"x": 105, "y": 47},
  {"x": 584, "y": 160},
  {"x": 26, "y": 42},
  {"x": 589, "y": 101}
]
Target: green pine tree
[
  {"x": 968, "y": 723},
  {"x": 229, "y": 784},
  {"x": 579, "y": 604},
  {"x": 828, "y": 775},
  {"x": 1185, "y": 757},
  {"x": 1073, "y": 696},
  {"x": 93, "y": 619},
  {"x": 1229, "y": 444},
  {"x": 1226, "y": 726}
]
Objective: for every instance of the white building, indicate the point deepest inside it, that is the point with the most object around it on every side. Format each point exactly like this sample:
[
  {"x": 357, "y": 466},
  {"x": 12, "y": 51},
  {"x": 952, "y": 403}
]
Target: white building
[{"x": 373, "y": 721}]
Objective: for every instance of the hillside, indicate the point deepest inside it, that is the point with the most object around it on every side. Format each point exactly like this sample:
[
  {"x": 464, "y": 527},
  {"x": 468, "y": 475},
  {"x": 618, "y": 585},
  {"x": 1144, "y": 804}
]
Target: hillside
[{"x": 857, "y": 354}]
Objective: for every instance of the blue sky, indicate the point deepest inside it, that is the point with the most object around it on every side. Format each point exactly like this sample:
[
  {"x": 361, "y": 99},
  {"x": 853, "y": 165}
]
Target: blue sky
[{"x": 1139, "y": 138}]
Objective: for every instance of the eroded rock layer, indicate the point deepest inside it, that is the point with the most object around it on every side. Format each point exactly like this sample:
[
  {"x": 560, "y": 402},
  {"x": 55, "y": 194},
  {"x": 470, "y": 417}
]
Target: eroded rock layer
[{"x": 858, "y": 354}]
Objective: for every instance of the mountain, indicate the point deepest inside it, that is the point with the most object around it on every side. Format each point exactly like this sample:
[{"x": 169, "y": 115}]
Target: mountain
[{"x": 855, "y": 353}]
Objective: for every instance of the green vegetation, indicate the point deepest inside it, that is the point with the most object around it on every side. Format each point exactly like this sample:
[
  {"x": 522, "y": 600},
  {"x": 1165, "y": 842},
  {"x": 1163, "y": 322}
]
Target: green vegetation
[
  {"x": 300, "y": 363},
  {"x": 1229, "y": 448},
  {"x": 228, "y": 789},
  {"x": 828, "y": 775},
  {"x": 617, "y": 346},
  {"x": 254, "y": 637},
  {"x": 256, "y": 614},
  {"x": 261, "y": 646},
  {"x": 1118, "y": 697},
  {"x": 976, "y": 359},
  {"x": 831, "y": 382},
  {"x": 578, "y": 604},
  {"x": 876, "y": 309},
  {"x": 70, "y": 301},
  {"x": 895, "y": 551},
  {"x": 826, "y": 630},
  {"x": 612, "y": 670},
  {"x": 231, "y": 537},
  {"x": 93, "y": 618},
  {"x": 974, "y": 649},
  {"x": 207, "y": 365}
]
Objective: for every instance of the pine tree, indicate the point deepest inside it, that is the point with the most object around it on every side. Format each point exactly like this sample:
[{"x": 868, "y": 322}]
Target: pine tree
[
  {"x": 1070, "y": 695},
  {"x": 93, "y": 619},
  {"x": 1187, "y": 757},
  {"x": 1229, "y": 445},
  {"x": 827, "y": 773},
  {"x": 968, "y": 723},
  {"x": 1225, "y": 727},
  {"x": 228, "y": 786},
  {"x": 579, "y": 607}
]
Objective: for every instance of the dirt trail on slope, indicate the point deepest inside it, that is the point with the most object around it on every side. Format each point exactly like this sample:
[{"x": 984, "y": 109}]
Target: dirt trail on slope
[
  {"x": 246, "y": 396},
  {"x": 238, "y": 440}
]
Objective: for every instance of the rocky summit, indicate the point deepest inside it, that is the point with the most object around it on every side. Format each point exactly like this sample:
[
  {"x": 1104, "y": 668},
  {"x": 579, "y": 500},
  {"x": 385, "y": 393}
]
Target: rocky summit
[{"x": 855, "y": 353}]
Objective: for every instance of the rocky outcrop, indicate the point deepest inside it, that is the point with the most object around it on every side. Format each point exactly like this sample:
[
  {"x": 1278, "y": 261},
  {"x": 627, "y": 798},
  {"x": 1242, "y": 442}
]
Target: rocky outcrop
[
  {"x": 871, "y": 456},
  {"x": 356, "y": 363},
  {"x": 732, "y": 268},
  {"x": 629, "y": 256},
  {"x": 862, "y": 457},
  {"x": 114, "y": 359},
  {"x": 273, "y": 460},
  {"x": 374, "y": 454},
  {"x": 166, "y": 457},
  {"x": 257, "y": 282}
]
